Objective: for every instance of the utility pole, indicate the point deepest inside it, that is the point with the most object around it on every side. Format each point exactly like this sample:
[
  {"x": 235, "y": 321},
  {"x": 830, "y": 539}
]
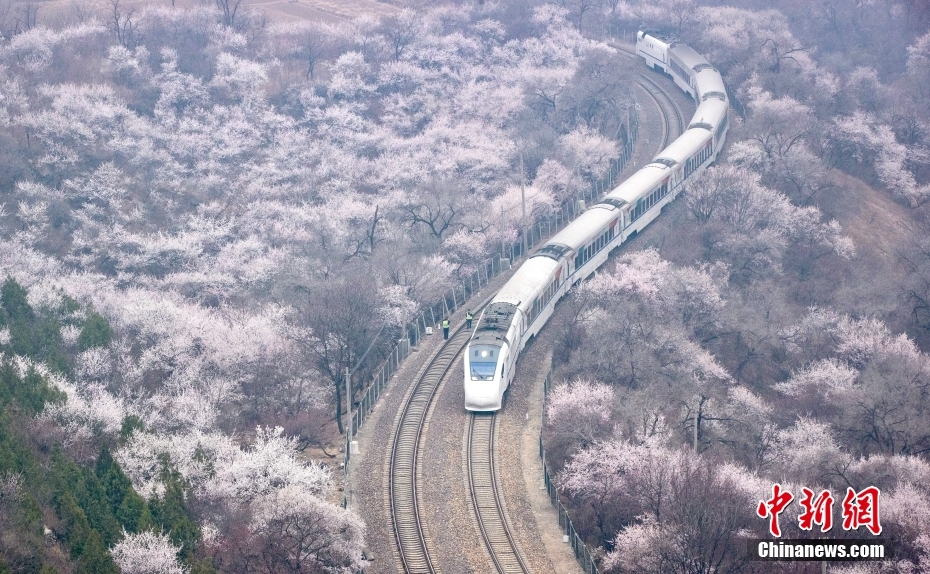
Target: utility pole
[
  {"x": 348, "y": 407},
  {"x": 346, "y": 488},
  {"x": 523, "y": 201},
  {"x": 502, "y": 232}
]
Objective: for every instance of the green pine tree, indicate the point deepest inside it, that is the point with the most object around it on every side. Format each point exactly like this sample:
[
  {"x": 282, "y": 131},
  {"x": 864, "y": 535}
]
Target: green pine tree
[
  {"x": 169, "y": 511},
  {"x": 128, "y": 507},
  {"x": 95, "y": 333}
]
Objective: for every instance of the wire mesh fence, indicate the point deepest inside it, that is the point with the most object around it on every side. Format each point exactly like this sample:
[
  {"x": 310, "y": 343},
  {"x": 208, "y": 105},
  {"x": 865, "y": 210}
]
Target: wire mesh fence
[{"x": 582, "y": 553}]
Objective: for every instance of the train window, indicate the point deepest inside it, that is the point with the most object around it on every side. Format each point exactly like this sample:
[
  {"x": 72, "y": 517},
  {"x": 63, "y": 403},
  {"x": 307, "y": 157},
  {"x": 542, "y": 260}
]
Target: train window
[
  {"x": 722, "y": 126},
  {"x": 679, "y": 69}
]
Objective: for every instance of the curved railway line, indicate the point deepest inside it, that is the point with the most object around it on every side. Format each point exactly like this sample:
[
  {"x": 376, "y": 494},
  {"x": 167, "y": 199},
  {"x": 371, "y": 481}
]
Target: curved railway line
[
  {"x": 667, "y": 107},
  {"x": 663, "y": 101},
  {"x": 486, "y": 497},
  {"x": 411, "y": 539},
  {"x": 412, "y": 542}
]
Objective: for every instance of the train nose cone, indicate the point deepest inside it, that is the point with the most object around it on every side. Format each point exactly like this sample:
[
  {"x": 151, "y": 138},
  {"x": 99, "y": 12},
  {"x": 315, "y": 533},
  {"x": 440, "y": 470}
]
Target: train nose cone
[{"x": 483, "y": 398}]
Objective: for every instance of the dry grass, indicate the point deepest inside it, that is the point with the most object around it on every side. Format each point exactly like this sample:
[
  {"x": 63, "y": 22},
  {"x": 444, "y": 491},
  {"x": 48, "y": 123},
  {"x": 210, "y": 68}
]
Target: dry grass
[{"x": 877, "y": 225}]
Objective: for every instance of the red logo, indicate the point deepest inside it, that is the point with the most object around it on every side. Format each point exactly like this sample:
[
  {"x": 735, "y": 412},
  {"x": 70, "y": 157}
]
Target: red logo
[
  {"x": 859, "y": 509},
  {"x": 774, "y": 506},
  {"x": 819, "y": 511}
]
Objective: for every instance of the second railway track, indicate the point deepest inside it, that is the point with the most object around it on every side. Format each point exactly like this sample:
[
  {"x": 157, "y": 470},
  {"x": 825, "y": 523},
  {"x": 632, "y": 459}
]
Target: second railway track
[
  {"x": 486, "y": 497},
  {"x": 412, "y": 543},
  {"x": 671, "y": 114}
]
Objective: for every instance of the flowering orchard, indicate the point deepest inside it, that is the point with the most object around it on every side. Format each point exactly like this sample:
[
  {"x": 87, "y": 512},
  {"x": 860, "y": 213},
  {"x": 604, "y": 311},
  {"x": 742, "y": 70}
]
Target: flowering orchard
[
  {"x": 749, "y": 369},
  {"x": 247, "y": 207}
]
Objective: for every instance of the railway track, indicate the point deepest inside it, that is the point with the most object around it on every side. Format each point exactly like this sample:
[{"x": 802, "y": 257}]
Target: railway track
[
  {"x": 412, "y": 543},
  {"x": 486, "y": 497},
  {"x": 667, "y": 108}
]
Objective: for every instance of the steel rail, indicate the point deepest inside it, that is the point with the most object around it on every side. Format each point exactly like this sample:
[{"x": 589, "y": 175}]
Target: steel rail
[
  {"x": 486, "y": 497},
  {"x": 405, "y": 508}
]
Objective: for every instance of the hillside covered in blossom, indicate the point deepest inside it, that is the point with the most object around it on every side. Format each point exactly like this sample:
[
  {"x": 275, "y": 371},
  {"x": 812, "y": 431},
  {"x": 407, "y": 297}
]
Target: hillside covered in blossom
[
  {"x": 206, "y": 216},
  {"x": 772, "y": 327}
]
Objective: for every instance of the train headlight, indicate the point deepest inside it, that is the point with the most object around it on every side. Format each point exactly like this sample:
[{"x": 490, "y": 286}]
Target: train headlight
[{"x": 484, "y": 353}]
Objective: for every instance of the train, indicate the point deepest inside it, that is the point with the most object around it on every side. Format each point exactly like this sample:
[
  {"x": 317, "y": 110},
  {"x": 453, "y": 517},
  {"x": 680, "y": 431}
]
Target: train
[{"x": 524, "y": 304}]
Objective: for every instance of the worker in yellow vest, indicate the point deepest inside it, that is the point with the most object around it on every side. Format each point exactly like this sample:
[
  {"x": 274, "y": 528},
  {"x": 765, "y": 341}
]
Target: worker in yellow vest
[
  {"x": 445, "y": 329},
  {"x": 468, "y": 319}
]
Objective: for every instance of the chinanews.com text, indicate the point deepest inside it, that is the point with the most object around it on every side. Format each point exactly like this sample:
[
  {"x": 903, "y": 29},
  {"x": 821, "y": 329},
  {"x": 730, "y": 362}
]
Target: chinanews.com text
[{"x": 818, "y": 549}]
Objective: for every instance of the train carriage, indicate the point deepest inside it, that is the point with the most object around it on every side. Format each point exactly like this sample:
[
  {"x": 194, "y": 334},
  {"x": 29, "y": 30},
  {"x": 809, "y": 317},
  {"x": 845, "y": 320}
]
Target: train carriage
[{"x": 525, "y": 303}]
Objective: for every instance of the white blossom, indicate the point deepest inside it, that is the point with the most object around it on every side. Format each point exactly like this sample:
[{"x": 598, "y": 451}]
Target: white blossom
[{"x": 147, "y": 553}]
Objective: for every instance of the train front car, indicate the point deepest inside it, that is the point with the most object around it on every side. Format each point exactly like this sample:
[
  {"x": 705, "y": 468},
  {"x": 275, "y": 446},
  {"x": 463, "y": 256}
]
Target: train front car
[
  {"x": 488, "y": 357},
  {"x": 654, "y": 50}
]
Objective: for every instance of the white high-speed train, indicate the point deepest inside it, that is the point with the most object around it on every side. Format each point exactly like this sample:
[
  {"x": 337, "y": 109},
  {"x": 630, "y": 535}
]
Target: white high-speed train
[{"x": 525, "y": 303}]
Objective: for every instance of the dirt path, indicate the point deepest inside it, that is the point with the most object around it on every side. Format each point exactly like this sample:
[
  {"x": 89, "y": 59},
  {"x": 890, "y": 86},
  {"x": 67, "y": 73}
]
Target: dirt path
[
  {"x": 349, "y": 9},
  {"x": 277, "y": 10}
]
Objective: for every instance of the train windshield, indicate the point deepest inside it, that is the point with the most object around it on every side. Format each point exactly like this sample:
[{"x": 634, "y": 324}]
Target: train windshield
[{"x": 483, "y": 361}]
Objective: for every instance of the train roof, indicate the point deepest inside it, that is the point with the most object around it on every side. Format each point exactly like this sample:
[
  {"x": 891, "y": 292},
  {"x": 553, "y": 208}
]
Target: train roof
[
  {"x": 711, "y": 85},
  {"x": 529, "y": 280},
  {"x": 691, "y": 59},
  {"x": 640, "y": 183},
  {"x": 685, "y": 146},
  {"x": 711, "y": 111},
  {"x": 494, "y": 323},
  {"x": 654, "y": 36},
  {"x": 590, "y": 224}
]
